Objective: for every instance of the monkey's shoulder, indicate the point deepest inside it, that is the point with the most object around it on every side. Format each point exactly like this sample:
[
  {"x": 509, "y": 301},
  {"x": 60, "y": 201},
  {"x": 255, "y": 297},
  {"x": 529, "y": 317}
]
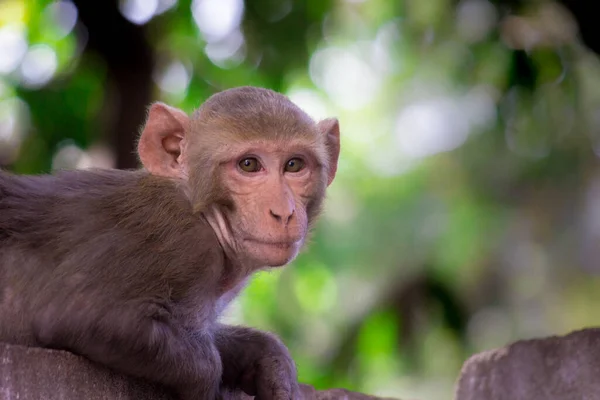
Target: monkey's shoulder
[
  {"x": 94, "y": 219},
  {"x": 91, "y": 200}
]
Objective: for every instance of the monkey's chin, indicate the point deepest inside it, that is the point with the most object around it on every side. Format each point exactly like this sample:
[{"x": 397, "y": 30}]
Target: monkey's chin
[{"x": 272, "y": 254}]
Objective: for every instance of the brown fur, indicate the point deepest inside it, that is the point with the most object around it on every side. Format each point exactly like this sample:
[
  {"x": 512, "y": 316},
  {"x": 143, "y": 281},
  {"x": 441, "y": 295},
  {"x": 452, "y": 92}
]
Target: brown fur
[{"x": 132, "y": 268}]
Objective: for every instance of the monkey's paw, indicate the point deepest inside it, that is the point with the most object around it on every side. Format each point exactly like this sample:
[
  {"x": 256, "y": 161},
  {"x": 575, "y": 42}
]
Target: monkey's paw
[{"x": 272, "y": 378}]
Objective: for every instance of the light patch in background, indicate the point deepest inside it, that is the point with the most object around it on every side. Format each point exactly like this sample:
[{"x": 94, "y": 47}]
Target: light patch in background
[
  {"x": 345, "y": 76},
  {"x": 64, "y": 14},
  {"x": 164, "y": 5},
  {"x": 386, "y": 42},
  {"x": 475, "y": 19},
  {"x": 228, "y": 51},
  {"x": 311, "y": 102},
  {"x": 68, "y": 156},
  {"x": 518, "y": 32},
  {"x": 38, "y": 66},
  {"x": 216, "y": 19},
  {"x": 138, "y": 11},
  {"x": 357, "y": 297},
  {"x": 480, "y": 105},
  {"x": 316, "y": 289},
  {"x": 385, "y": 160},
  {"x": 489, "y": 328},
  {"x": 100, "y": 156},
  {"x": 318, "y": 337},
  {"x": 14, "y": 122},
  {"x": 429, "y": 127},
  {"x": 8, "y": 122},
  {"x": 141, "y": 11},
  {"x": 174, "y": 78},
  {"x": 13, "y": 47},
  {"x": 443, "y": 123},
  {"x": 71, "y": 156},
  {"x": 12, "y": 11},
  {"x": 341, "y": 206}
]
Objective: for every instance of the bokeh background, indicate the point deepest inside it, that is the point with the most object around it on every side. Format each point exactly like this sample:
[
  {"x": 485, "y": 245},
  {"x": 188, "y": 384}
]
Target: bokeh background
[{"x": 466, "y": 210}]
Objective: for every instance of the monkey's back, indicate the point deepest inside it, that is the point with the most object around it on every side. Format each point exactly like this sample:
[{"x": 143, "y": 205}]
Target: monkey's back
[
  {"x": 52, "y": 212},
  {"x": 94, "y": 239}
]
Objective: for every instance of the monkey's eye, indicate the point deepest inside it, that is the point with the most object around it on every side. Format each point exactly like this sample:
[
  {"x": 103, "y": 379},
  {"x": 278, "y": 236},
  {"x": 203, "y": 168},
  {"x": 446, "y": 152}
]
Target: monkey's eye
[
  {"x": 294, "y": 165},
  {"x": 249, "y": 165}
]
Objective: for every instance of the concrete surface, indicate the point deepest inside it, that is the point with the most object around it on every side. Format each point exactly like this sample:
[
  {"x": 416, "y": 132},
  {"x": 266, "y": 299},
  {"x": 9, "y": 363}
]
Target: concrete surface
[
  {"x": 39, "y": 374},
  {"x": 28, "y": 373},
  {"x": 553, "y": 368}
]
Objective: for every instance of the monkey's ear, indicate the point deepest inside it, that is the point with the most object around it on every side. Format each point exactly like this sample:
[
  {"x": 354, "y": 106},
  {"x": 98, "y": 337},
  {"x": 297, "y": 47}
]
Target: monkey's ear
[
  {"x": 331, "y": 128},
  {"x": 161, "y": 141}
]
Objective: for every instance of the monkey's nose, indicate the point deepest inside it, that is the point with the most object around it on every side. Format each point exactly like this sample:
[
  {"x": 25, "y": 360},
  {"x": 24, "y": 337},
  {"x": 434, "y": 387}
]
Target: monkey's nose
[{"x": 282, "y": 217}]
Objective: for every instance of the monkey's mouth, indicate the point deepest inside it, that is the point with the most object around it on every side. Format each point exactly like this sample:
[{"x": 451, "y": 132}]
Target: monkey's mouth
[
  {"x": 272, "y": 253},
  {"x": 287, "y": 244}
]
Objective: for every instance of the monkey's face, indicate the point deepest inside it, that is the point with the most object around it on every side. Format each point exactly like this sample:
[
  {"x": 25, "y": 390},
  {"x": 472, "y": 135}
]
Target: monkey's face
[
  {"x": 270, "y": 185},
  {"x": 253, "y": 163}
]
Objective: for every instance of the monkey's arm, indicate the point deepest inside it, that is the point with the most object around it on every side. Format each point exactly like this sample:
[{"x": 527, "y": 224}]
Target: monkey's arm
[
  {"x": 140, "y": 340},
  {"x": 257, "y": 363}
]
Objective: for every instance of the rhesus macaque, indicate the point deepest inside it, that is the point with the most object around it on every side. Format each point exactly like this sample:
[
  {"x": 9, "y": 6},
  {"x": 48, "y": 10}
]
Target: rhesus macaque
[{"x": 132, "y": 268}]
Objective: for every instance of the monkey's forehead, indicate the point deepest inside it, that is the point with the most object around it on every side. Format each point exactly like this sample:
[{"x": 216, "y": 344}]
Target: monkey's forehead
[
  {"x": 237, "y": 144},
  {"x": 256, "y": 127},
  {"x": 256, "y": 110},
  {"x": 272, "y": 145}
]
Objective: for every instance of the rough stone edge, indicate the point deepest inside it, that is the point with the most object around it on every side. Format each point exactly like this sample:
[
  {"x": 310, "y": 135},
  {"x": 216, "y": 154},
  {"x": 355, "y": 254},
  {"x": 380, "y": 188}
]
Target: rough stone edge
[
  {"x": 528, "y": 366},
  {"x": 60, "y": 375},
  {"x": 33, "y": 373}
]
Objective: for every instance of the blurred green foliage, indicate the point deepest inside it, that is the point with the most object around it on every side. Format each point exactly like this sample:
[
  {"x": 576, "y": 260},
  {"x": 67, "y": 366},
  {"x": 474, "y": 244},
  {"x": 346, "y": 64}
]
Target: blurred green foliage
[{"x": 464, "y": 214}]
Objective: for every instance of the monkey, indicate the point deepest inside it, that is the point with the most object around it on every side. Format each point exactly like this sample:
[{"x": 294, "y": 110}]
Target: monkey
[{"x": 132, "y": 268}]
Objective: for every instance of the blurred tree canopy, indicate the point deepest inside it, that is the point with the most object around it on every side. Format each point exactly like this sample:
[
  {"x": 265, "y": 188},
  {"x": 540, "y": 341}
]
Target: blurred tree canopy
[{"x": 465, "y": 212}]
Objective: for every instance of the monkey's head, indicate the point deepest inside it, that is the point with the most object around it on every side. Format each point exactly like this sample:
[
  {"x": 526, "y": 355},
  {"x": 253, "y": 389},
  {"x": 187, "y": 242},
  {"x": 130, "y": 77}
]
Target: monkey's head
[{"x": 252, "y": 162}]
